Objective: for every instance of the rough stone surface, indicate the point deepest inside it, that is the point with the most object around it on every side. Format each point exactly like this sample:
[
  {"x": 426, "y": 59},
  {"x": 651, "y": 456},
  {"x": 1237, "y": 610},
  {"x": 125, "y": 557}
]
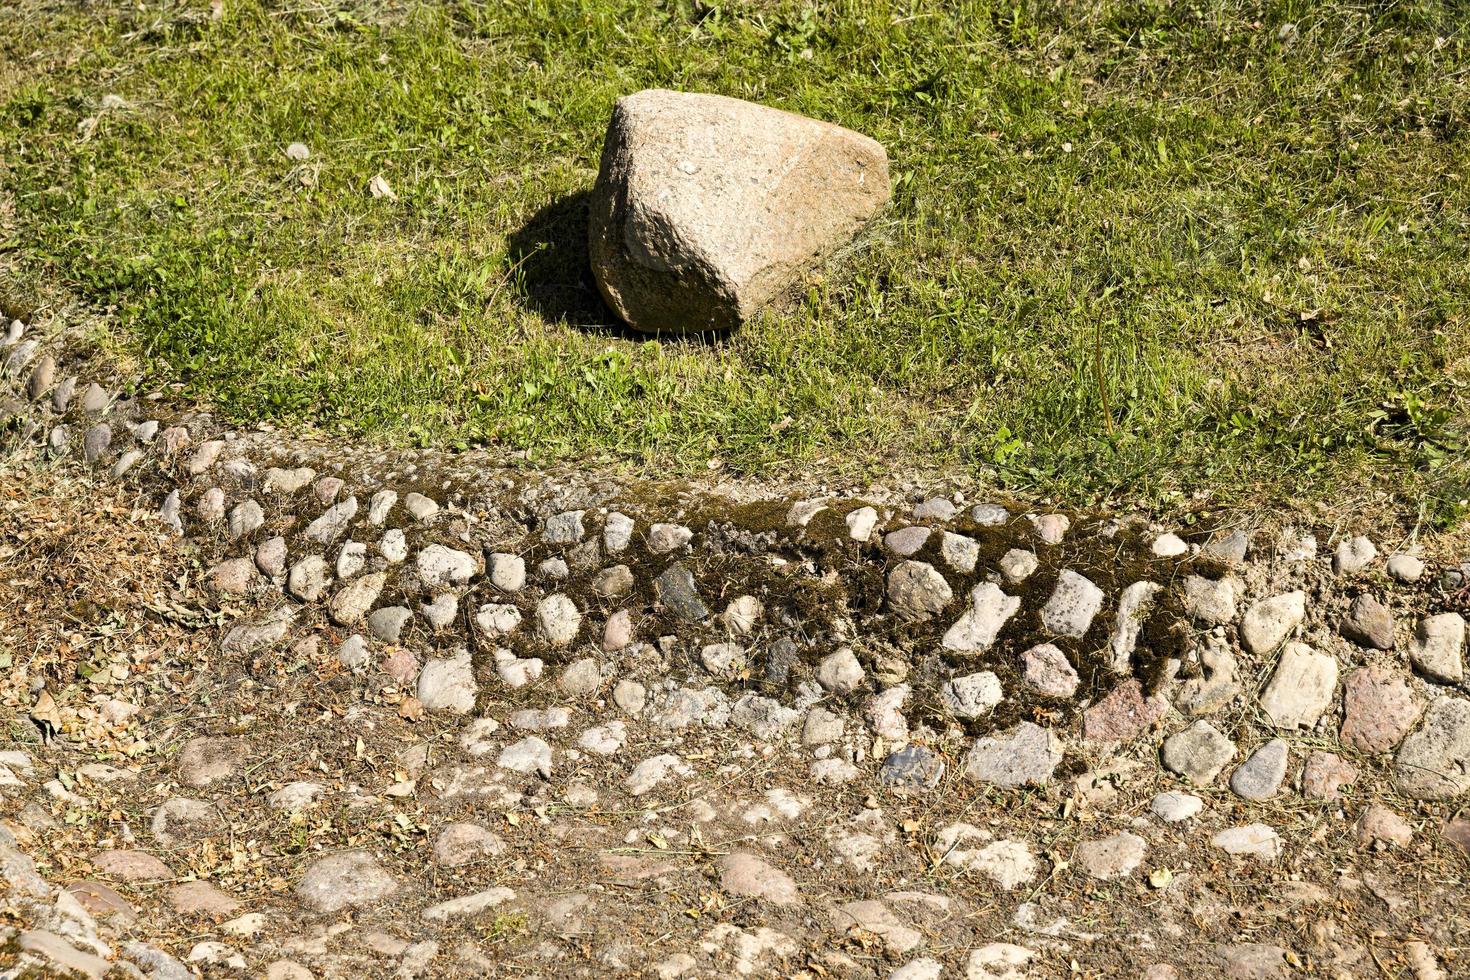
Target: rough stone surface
[
  {"x": 1434, "y": 762},
  {"x": 1260, "y": 776},
  {"x": 1438, "y": 648},
  {"x": 448, "y": 685},
  {"x": 1369, "y": 623},
  {"x": 1123, "y": 714},
  {"x": 1112, "y": 857},
  {"x": 745, "y": 875},
  {"x": 1133, "y": 607},
  {"x": 1072, "y": 606},
  {"x": 1353, "y": 555},
  {"x": 1198, "y": 753},
  {"x": 1026, "y": 755},
  {"x": 1323, "y": 775},
  {"x": 972, "y": 695},
  {"x": 990, "y": 609},
  {"x": 1210, "y": 601},
  {"x": 1047, "y": 672},
  {"x": 707, "y": 208},
  {"x": 1268, "y": 623},
  {"x": 916, "y": 591},
  {"x": 1255, "y": 840},
  {"x": 343, "y": 880},
  {"x": 1379, "y": 709},
  {"x": 678, "y": 591},
  {"x": 1301, "y": 689},
  {"x": 1173, "y": 806}
]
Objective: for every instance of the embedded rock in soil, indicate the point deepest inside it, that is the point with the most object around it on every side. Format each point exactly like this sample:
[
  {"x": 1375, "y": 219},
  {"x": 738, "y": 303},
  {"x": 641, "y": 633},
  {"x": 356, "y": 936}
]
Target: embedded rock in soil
[
  {"x": 1438, "y": 648},
  {"x": 1369, "y": 623},
  {"x": 999, "y": 961},
  {"x": 440, "y": 566},
  {"x": 1122, "y": 715},
  {"x": 977, "y": 629},
  {"x": 1434, "y": 762},
  {"x": 912, "y": 767},
  {"x": 1380, "y": 825},
  {"x": 1406, "y": 568},
  {"x": 1260, "y": 776},
  {"x": 906, "y": 541},
  {"x": 1301, "y": 689},
  {"x": 1378, "y": 709},
  {"x": 1173, "y": 806},
  {"x": 333, "y": 522},
  {"x": 1216, "y": 685},
  {"x": 1209, "y": 601},
  {"x": 1048, "y": 673},
  {"x": 972, "y": 695},
  {"x": 1198, "y": 753},
  {"x": 249, "y": 638},
  {"x": 1353, "y": 555},
  {"x": 840, "y": 672},
  {"x": 1025, "y": 755},
  {"x": 558, "y": 618},
  {"x": 203, "y": 761},
  {"x": 353, "y": 601},
  {"x": 448, "y": 684},
  {"x": 1323, "y": 774},
  {"x": 916, "y": 591},
  {"x": 1072, "y": 606},
  {"x": 1255, "y": 840},
  {"x": 338, "y": 881},
  {"x": 1133, "y": 606},
  {"x": 309, "y": 578},
  {"x": 707, "y": 208},
  {"x": 460, "y": 844},
  {"x": 180, "y": 820},
  {"x": 1269, "y": 622},
  {"x": 1112, "y": 857},
  {"x": 748, "y": 876},
  {"x": 677, "y": 590},
  {"x": 1017, "y": 565}
]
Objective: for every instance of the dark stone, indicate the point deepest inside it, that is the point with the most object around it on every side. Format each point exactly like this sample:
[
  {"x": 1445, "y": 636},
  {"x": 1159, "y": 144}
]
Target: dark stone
[
  {"x": 677, "y": 590},
  {"x": 779, "y": 660},
  {"x": 1368, "y": 623},
  {"x": 912, "y": 767}
]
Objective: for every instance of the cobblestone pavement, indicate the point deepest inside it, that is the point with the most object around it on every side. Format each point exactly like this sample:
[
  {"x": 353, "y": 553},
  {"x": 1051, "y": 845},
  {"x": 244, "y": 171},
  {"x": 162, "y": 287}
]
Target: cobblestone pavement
[{"x": 285, "y": 706}]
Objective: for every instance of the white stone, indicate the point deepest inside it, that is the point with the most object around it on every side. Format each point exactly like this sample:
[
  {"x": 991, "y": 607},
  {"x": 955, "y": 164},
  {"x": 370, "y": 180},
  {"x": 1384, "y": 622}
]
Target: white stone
[
  {"x": 742, "y": 614},
  {"x": 1353, "y": 555},
  {"x": 558, "y": 619},
  {"x": 448, "y": 684},
  {"x": 1268, "y": 623},
  {"x": 1210, "y": 601},
  {"x": 1072, "y": 606},
  {"x": 440, "y": 566},
  {"x": 1255, "y": 840},
  {"x": 1173, "y": 806},
  {"x": 497, "y": 619},
  {"x": 840, "y": 672},
  {"x": 507, "y": 572},
  {"x": 1133, "y": 607},
  {"x": 1169, "y": 545},
  {"x": 1301, "y": 689},
  {"x": 959, "y": 552},
  {"x": 973, "y": 695},
  {"x": 860, "y": 523},
  {"x": 977, "y": 629}
]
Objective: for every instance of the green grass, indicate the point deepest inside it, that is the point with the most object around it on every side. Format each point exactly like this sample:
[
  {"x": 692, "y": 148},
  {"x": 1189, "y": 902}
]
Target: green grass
[{"x": 1135, "y": 249}]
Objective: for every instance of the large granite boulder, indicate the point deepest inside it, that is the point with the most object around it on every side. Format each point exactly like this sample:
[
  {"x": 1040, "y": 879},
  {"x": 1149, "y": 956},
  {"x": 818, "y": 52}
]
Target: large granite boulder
[{"x": 707, "y": 208}]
